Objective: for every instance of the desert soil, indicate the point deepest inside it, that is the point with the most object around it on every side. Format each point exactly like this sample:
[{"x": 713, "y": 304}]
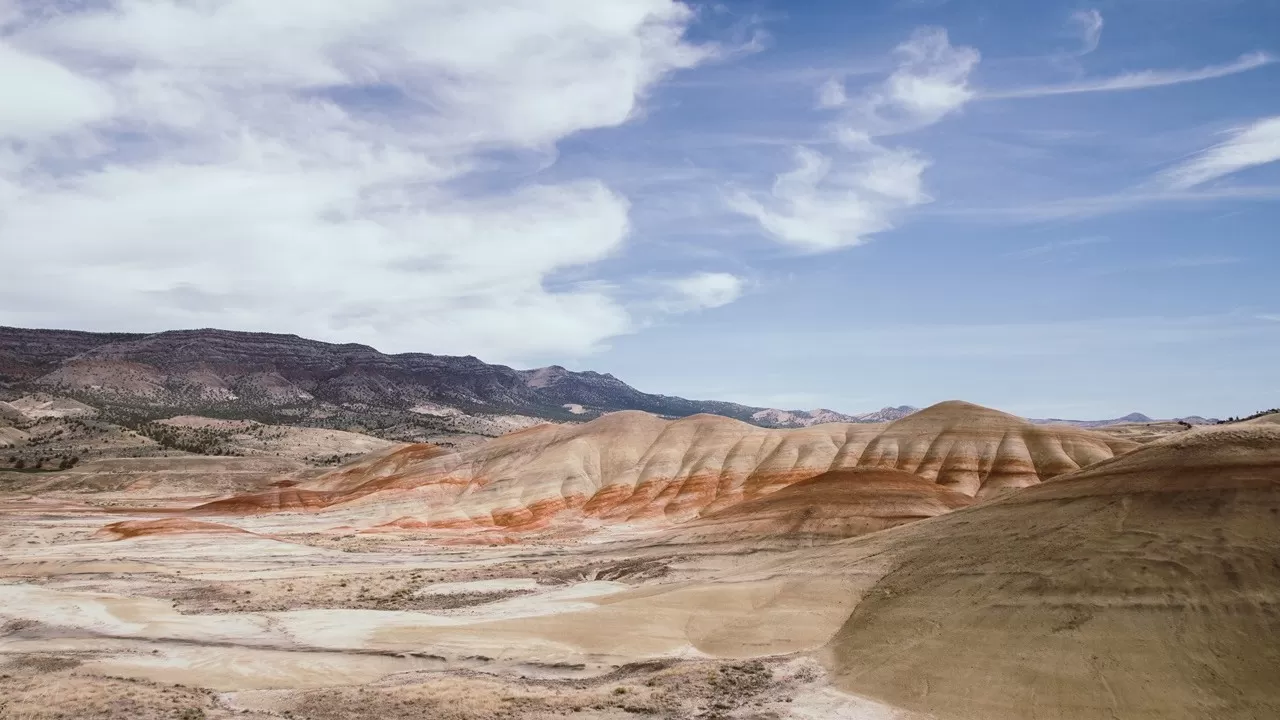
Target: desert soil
[{"x": 1144, "y": 586}]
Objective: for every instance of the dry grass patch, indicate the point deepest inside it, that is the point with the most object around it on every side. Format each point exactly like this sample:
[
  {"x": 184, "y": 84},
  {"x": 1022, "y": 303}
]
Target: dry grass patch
[{"x": 45, "y": 687}]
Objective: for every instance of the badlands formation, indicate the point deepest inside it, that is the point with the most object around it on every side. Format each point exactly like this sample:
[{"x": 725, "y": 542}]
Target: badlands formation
[
  {"x": 957, "y": 562},
  {"x": 632, "y": 470}
]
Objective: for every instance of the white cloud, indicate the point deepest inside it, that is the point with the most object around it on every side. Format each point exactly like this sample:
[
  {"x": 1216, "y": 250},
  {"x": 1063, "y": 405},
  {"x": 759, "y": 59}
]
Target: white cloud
[
  {"x": 1137, "y": 80},
  {"x": 930, "y": 82},
  {"x": 1108, "y": 204},
  {"x": 1051, "y": 247},
  {"x": 1088, "y": 23},
  {"x": 817, "y": 207},
  {"x": 291, "y": 165},
  {"x": 705, "y": 290},
  {"x": 831, "y": 94},
  {"x": 40, "y": 98},
  {"x": 1257, "y": 144},
  {"x": 831, "y": 201}
]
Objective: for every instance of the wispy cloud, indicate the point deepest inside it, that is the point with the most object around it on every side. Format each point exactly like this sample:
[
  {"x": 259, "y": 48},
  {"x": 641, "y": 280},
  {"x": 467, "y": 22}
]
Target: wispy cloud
[
  {"x": 831, "y": 94},
  {"x": 810, "y": 73},
  {"x": 1099, "y": 205},
  {"x": 1164, "y": 264},
  {"x": 1056, "y": 246},
  {"x": 1185, "y": 183},
  {"x": 1195, "y": 262},
  {"x": 837, "y": 199},
  {"x": 919, "y": 4},
  {"x": 1136, "y": 80},
  {"x": 930, "y": 82},
  {"x": 1088, "y": 23},
  {"x": 1257, "y": 144},
  {"x": 1080, "y": 337}
]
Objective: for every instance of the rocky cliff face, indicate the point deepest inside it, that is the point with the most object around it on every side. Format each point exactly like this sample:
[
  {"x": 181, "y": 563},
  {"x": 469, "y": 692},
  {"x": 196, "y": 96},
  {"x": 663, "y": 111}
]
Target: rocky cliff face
[{"x": 292, "y": 379}]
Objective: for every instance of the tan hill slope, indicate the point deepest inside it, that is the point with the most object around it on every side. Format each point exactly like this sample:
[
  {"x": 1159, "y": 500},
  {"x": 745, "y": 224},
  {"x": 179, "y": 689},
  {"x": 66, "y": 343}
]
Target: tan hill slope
[
  {"x": 43, "y": 405},
  {"x": 1145, "y": 432},
  {"x": 250, "y": 438},
  {"x": 45, "y": 432},
  {"x": 10, "y": 415},
  {"x": 635, "y": 467},
  {"x": 1143, "y": 587},
  {"x": 833, "y": 505},
  {"x": 979, "y": 451},
  {"x": 136, "y": 479}
]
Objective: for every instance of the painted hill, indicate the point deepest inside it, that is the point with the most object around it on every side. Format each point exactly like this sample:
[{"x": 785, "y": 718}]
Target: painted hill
[
  {"x": 979, "y": 451},
  {"x": 1142, "y": 587},
  {"x": 831, "y": 506},
  {"x": 633, "y": 467}
]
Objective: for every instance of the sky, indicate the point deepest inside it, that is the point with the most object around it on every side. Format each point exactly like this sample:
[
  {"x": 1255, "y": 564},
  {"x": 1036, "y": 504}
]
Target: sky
[{"x": 1058, "y": 209}]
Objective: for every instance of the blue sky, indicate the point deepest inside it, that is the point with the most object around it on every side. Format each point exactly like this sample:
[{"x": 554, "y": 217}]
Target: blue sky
[
  {"x": 986, "y": 293},
  {"x": 1057, "y": 209}
]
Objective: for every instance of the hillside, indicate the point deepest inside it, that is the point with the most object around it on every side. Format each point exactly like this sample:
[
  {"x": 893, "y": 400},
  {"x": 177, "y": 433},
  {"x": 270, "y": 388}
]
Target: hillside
[
  {"x": 286, "y": 379},
  {"x": 633, "y": 467},
  {"x": 831, "y": 506},
  {"x": 1142, "y": 587}
]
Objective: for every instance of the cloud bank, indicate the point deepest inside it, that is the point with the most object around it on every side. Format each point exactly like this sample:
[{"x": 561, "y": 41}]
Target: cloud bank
[{"x": 296, "y": 165}]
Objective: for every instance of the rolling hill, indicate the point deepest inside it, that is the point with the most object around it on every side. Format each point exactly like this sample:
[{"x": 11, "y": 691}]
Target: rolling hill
[
  {"x": 632, "y": 467},
  {"x": 286, "y": 379}
]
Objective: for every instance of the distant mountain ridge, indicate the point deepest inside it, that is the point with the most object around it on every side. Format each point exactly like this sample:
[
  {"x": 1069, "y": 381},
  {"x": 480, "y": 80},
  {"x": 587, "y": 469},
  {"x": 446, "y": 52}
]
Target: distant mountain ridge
[
  {"x": 286, "y": 378},
  {"x": 1130, "y": 418},
  {"x": 808, "y": 418}
]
